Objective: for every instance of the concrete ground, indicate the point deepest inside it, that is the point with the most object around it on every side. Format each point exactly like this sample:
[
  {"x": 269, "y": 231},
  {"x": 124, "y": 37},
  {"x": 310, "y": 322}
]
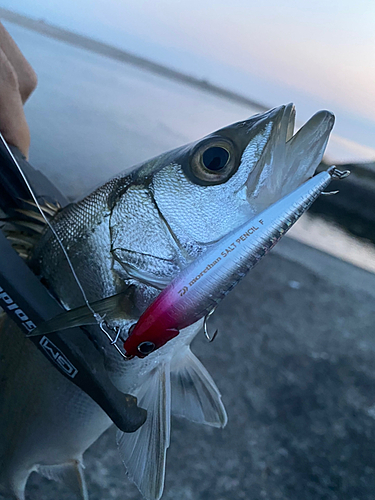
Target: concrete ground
[{"x": 294, "y": 360}]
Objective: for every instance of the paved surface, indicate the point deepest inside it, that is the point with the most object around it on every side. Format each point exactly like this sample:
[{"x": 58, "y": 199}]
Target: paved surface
[{"x": 294, "y": 360}]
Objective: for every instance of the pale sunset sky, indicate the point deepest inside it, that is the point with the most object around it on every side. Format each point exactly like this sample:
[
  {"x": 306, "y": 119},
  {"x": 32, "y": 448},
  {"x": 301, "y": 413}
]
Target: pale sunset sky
[{"x": 317, "y": 54}]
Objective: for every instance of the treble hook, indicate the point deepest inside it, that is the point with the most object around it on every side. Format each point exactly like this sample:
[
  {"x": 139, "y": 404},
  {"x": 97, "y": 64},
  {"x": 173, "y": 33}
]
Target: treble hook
[
  {"x": 336, "y": 174},
  {"x": 205, "y": 328},
  {"x": 108, "y": 335}
]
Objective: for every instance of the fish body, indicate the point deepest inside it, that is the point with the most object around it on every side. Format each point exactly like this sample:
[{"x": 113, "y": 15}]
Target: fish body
[
  {"x": 199, "y": 288},
  {"x": 138, "y": 231}
]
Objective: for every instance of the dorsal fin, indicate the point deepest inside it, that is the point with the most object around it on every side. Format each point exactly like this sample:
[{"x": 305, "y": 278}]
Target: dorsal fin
[
  {"x": 194, "y": 393},
  {"x": 19, "y": 214},
  {"x": 24, "y": 227},
  {"x": 70, "y": 473},
  {"x": 144, "y": 452}
]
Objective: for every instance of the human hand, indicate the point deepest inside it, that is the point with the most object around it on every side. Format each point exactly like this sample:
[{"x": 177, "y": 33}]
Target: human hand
[{"x": 17, "y": 81}]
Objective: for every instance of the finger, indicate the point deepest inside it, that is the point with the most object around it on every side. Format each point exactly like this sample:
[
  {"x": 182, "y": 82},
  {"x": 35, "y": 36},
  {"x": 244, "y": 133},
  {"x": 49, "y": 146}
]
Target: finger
[
  {"x": 13, "y": 123},
  {"x": 27, "y": 79}
]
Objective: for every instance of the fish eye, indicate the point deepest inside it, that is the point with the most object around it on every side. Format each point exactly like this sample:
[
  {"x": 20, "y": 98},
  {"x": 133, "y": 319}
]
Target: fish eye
[
  {"x": 215, "y": 158},
  {"x": 213, "y": 161},
  {"x": 146, "y": 348}
]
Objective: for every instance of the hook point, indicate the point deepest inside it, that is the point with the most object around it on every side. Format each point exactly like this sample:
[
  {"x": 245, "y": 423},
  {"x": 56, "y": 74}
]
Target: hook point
[{"x": 205, "y": 328}]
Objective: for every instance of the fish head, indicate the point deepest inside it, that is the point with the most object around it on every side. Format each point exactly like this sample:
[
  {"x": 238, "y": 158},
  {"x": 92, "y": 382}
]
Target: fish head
[
  {"x": 143, "y": 228},
  {"x": 207, "y": 188}
]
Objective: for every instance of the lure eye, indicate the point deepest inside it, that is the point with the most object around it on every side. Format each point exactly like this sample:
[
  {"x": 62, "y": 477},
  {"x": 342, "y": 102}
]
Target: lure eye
[
  {"x": 146, "y": 348},
  {"x": 215, "y": 158},
  {"x": 212, "y": 162}
]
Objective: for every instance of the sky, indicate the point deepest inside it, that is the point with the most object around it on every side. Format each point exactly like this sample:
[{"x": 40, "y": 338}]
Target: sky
[{"x": 318, "y": 54}]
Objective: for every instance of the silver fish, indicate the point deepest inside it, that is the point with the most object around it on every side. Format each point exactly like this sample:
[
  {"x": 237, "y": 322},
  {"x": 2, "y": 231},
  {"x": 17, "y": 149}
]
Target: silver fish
[{"x": 139, "y": 231}]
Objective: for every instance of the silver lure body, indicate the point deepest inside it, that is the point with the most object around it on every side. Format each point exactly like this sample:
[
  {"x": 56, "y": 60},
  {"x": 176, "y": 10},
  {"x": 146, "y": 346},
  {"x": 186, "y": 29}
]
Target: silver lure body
[
  {"x": 142, "y": 229},
  {"x": 197, "y": 290},
  {"x": 228, "y": 261}
]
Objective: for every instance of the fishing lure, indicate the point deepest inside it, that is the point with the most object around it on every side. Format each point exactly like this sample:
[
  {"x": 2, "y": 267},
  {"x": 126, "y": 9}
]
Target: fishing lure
[{"x": 197, "y": 290}]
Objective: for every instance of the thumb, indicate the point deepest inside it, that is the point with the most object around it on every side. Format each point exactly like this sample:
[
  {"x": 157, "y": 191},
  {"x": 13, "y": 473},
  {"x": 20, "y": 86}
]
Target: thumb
[{"x": 13, "y": 123}]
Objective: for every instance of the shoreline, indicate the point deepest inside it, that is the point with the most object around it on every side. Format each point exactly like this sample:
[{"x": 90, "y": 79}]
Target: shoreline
[{"x": 126, "y": 57}]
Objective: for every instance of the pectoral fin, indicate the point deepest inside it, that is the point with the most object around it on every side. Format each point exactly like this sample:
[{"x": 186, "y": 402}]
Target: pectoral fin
[
  {"x": 120, "y": 306},
  {"x": 194, "y": 393}
]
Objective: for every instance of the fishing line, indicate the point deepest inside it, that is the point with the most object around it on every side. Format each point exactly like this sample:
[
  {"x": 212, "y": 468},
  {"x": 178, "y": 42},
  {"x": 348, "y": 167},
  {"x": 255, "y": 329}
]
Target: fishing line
[{"x": 98, "y": 318}]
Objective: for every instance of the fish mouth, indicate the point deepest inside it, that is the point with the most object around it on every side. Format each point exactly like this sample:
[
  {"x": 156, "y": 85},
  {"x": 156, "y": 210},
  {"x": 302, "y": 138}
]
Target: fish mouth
[{"x": 288, "y": 159}]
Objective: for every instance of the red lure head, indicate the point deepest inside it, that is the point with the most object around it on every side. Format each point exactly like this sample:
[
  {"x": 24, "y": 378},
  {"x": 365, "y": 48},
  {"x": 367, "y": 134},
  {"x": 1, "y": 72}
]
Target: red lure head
[
  {"x": 141, "y": 342},
  {"x": 154, "y": 329}
]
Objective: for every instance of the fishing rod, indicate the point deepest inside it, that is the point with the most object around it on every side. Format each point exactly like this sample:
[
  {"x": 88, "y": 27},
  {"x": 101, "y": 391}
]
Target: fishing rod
[{"x": 27, "y": 301}]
